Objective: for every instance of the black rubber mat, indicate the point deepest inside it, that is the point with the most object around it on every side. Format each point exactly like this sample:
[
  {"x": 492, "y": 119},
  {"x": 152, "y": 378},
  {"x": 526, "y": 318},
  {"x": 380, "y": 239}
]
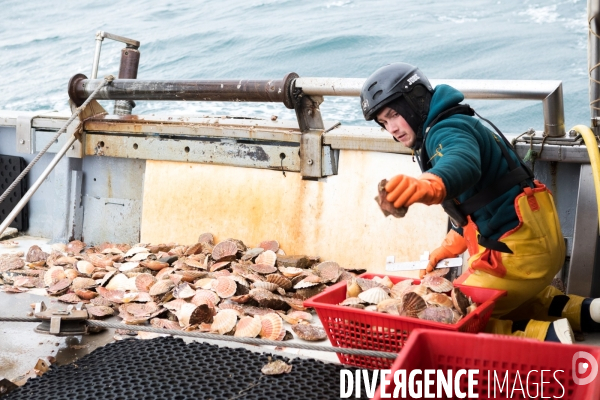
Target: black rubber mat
[
  {"x": 168, "y": 368},
  {"x": 10, "y": 168}
]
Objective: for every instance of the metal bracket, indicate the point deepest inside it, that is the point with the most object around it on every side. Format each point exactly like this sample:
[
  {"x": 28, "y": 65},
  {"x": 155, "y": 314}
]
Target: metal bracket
[
  {"x": 69, "y": 322},
  {"x": 312, "y": 129},
  {"x": 100, "y": 35},
  {"x": 24, "y": 134}
]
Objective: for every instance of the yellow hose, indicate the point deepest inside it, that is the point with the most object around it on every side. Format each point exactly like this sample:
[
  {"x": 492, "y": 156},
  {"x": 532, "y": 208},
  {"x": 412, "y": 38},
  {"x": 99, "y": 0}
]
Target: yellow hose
[{"x": 592, "y": 147}]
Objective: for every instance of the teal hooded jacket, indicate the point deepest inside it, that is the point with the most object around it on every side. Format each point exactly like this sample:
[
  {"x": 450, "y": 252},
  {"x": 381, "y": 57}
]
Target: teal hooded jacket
[{"x": 466, "y": 155}]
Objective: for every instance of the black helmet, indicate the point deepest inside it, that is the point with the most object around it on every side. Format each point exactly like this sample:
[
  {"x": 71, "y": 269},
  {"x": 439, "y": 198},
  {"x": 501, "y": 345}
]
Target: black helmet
[{"x": 392, "y": 82}]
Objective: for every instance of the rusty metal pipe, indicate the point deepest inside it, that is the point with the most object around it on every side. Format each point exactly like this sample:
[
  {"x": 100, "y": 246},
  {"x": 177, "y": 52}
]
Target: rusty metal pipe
[
  {"x": 130, "y": 61},
  {"x": 273, "y": 90}
]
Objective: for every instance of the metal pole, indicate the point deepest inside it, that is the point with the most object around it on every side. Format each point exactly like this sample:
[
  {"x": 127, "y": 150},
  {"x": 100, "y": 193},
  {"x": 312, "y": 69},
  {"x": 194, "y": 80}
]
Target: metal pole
[
  {"x": 593, "y": 60},
  {"x": 549, "y": 92},
  {"x": 130, "y": 61},
  {"x": 273, "y": 90},
  {"x": 99, "y": 39},
  {"x": 13, "y": 214}
]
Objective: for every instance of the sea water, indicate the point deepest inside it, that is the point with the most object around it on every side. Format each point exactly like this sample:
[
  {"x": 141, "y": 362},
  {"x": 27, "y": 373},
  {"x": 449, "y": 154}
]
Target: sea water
[{"x": 43, "y": 44}]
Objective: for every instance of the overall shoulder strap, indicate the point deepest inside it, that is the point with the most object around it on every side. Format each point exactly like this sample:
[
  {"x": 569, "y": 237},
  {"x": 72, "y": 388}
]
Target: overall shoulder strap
[{"x": 459, "y": 109}]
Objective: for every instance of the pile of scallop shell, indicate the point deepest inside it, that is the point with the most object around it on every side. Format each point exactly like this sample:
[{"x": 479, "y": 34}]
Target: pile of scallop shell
[
  {"x": 434, "y": 299},
  {"x": 224, "y": 288}
]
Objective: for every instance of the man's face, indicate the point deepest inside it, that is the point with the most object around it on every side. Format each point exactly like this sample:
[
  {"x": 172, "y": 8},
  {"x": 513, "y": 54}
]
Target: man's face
[{"x": 395, "y": 124}]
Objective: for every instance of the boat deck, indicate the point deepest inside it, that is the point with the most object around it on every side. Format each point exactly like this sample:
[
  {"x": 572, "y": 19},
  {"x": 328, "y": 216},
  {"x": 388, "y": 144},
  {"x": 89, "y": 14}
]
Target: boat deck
[{"x": 21, "y": 346}]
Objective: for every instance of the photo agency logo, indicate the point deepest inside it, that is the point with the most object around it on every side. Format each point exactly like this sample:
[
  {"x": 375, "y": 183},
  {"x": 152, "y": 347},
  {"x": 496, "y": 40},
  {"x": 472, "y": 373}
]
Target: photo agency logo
[
  {"x": 468, "y": 383},
  {"x": 585, "y": 368}
]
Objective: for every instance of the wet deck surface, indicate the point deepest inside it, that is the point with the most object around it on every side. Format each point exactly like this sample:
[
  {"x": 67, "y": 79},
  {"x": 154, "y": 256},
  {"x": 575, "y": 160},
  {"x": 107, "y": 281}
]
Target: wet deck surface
[{"x": 21, "y": 346}]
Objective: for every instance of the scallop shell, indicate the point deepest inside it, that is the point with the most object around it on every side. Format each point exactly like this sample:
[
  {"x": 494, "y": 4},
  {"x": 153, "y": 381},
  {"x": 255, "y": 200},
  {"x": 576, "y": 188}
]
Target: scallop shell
[
  {"x": 397, "y": 291},
  {"x": 372, "y": 307},
  {"x": 290, "y": 272},
  {"x": 266, "y": 257},
  {"x": 85, "y": 267},
  {"x": 353, "y": 288},
  {"x": 161, "y": 287},
  {"x": 224, "y": 287},
  {"x": 111, "y": 250},
  {"x": 271, "y": 287},
  {"x": 241, "y": 299},
  {"x": 224, "y": 321},
  {"x": 374, "y": 295},
  {"x": 135, "y": 250},
  {"x": 262, "y": 268},
  {"x": 225, "y": 251},
  {"x": 439, "y": 271},
  {"x": 143, "y": 282},
  {"x": 164, "y": 273},
  {"x": 444, "y": 315},
  {"x": 471, "y": 308},
  {"x": 101, "y": 301},
  {"x": 390, "y": 306},
  {"x": 219, "y": 265},
  {"x": 248, "y": 327},
  {"x": 192, "y": 275},
  {"x": 100, "y": 311},
  {"x": 69, "y": 298},
  {"x": 252, "y": 253},
  {"x": 164, "y": 324},
  {"x": 71, "y": 273},
  {"x": 35, "y": 253},
  {"x": 310, "y": 292},
  {"x": 193, "y": 249},
  {"x": 204, "y": 296},
  {"x": 183, "y": 291},
  {"x": 206, "y": 238},
  {"x": 309, "y": 281},
  {"x": 154, "y": 265},
  {"x": 128, "y": 266},
  {"x": 204, "y": 283},
  {"x": 86, "y": 294},
  {"x": 61, "y": 247},
  {"x": 329, "y": 271},
  {"x": 299, "y": 315},
  {"x": 271, "y": 245},
  {"x": 53, "y": 275},
  {"x": 366, "y": 284},
  {"x": 272, "y": 325},
  {"x": 438, "y": 299},
  {"x": 116, "y": 296},
  {"x": 75, "y": 246},
  {"x": 412, "y": 304},
  {"x": 421, "y": 290},
  {"x": 276, "y": 367},
  {"x": 139, "y": 257},
  {"x": 191, "y": 314},
  {"x": 280, "y": 281},
  {"x": 385, "y": 281},
  {"x": 240, "y": 280},
  {"x": 460, "y": 301},
  {"x": 310, "y": 333},
  {"x": 174, "y": 305},
  {"x": 83, "y": 283},
  {"x": 437, "y": 283},
  {"x": 119, "y": 282},
  {"x": 351, "y": 301}
]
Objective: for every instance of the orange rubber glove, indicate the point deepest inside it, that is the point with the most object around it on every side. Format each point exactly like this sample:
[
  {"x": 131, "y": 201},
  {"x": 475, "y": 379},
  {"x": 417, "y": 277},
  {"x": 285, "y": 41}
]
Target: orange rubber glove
[
  {"x": 405, "y": 190},
  {"x": 452, "y": 246}
]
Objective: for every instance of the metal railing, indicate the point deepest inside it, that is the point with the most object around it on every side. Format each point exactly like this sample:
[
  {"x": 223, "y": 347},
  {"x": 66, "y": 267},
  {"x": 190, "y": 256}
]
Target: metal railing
[{"x": 287, "y": 90}]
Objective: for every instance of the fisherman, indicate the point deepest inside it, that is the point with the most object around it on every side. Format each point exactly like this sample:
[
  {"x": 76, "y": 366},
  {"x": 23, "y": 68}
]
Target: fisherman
[{"x": 505, "y": 218}]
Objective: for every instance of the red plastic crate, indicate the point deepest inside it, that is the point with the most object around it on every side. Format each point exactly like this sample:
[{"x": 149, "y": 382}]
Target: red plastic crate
[
  {"x": 429, "y": 349},
  {"x": 359, "y": 329}
]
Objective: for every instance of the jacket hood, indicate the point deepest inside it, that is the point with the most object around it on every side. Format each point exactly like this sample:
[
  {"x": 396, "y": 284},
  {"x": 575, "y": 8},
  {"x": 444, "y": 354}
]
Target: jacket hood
[{"x": 444, "y": 97}]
